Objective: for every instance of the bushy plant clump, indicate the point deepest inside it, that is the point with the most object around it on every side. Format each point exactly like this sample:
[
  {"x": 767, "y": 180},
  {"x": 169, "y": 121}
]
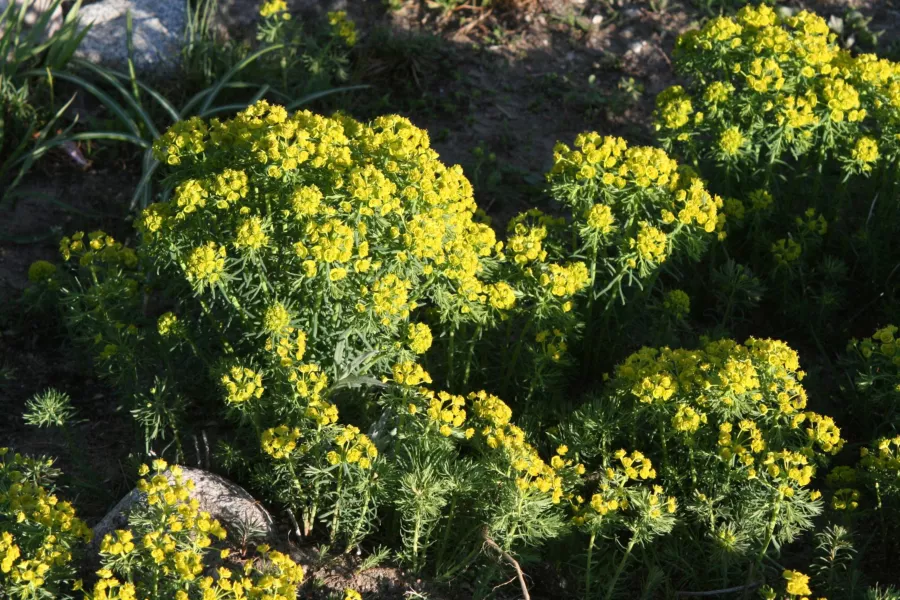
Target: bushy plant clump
[
  {"x": 331, "y": 288},
  {"x": 801, "y": 139},
  {"x": 38, "y": 532},
  {"x": 168, "y": 551},
  {"x": 733, "y": 439}
]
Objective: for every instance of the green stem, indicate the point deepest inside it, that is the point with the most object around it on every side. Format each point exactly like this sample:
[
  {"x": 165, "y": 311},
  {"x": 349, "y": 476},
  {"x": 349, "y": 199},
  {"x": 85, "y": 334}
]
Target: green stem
[
  {"x": 362, "y": 517},
  {"x": 447, "y": 527},
  {"x": 475, "y": 337},
  {"x": 337, "y": 505},
  {"x": 451, "y": 349},
  {"x": 515, "y": 357},
  {"x": 590, "y": 566},
  {"x": 620, "y": 568}
]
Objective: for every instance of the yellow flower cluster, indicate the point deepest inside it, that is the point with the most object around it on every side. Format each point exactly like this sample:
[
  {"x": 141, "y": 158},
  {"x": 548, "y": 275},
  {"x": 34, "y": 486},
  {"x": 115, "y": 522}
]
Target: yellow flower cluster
[
  {"x": 565, "y": 281},
  {"x": 38, "y": 530},
  {"x": 614, "y": 492},
  {"x": 96, "y": 247},
  {"x": 701, "y": 391},
  {"x": 797, "y": 584},
  {"x": 677, "y": 303},
  {"x": 788, "y": 82},
  {"x": 279, "y": 442},
  {"x": 164, "y": 550},
  {"x": 552, "y": 343},
  {"x": 342, "y": 27},
  {"x": 41, "y": 270},
  {"x": 410, "y": 373},
  {"x": 786, "y": 251},
  {"x": 632, "y": 204},
  {"x": 289, "y": 348},
  {"x": 272, "y": 7},
  {"x": 446, "y": 411},
  {"x": 362, "y": 214},
  {"x": 354, "y": 448},
  {"x": 205, "y": 264},
  {"x": 884, "y": 459},
  {"x": 884, "y": 344},
  {"x": 531, "y": 472},
  {"x": 277, "y": 319},
  {"x": 242, "y": 384}
]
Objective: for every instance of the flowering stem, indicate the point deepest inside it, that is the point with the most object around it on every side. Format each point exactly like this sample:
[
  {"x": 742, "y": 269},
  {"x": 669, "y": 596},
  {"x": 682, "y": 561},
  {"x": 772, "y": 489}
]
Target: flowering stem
[
  {"x": 447, "y": 527},
  {"x": 589, "y": 568},
  {"x": 337, "y": 504},
  {"x": 620, "y": 568},
  {"x": 515, "y": 356},
  {"x": 475, "y": 337},
  {"x": 362, "y": 517}
]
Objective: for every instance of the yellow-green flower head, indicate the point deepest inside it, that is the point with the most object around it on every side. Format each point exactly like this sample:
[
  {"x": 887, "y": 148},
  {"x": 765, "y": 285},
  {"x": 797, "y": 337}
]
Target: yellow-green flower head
[
  {"x": 865, "y": 151},
  {"x": 277, "y": 319},
  {"x": 677, "y": 303},
  {"x": 167, "y": 324},
  {"x": 673, "y": 108},
  {"x": 600, "y": 219},
  {"x": 419, "y": 337},
  {"x": 731, "y": 141},
  {"x": 206, "y": 264},
  {"x": 251, "y": 234},
  {"x": 786, "y": 251},
  {"x": 342, "y": 27},
  {"x": 651, "y": 243},
  {"x": 273, "y": 7},
  {"x": 41, "y": 270},
  {"x": 501, "y": 295},
  {"x": 797, "y": 584},
  {"x": 410, "y": 374},
  {"x": 242, "y": 384},
  {"x": 279, "y": 442}
]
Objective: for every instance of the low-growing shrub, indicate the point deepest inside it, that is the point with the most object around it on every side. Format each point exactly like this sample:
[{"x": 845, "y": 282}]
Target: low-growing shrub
[
  {"x": 728, "y": 429},
  {"x": 38, "y": 532}
]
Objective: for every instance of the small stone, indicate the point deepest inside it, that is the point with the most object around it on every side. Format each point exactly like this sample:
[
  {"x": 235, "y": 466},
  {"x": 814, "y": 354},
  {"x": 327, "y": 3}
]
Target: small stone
[
  {"x": 637, "y": 47},
  {"x": 224, "y": 500},
  {"x": 34, "y": 12},
  {"x": 597, "y": 19},
  {"x": 158, "y": 31}
]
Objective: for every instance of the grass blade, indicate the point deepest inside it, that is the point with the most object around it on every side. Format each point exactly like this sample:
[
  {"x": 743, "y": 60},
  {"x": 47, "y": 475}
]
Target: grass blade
[
  {"x": 214, "y": 91},
  {"x": 315, "y": 96},
  {"x": 132, "y": 101},
  {"x": 160, "y": 99},
  {"x": 105, "y": 98}
]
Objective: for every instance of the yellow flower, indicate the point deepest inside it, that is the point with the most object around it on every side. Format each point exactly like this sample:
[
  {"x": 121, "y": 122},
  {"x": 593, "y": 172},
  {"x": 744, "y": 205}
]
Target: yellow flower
[
  {"x": 731, "y": 141},
  {"x": 206, "y": 264},
  {"x": 41, "y": 270},
  {"x": 865, "y": 151},
  {"x": 419, "y": 337},
  {"x": 277, "y": 319},
  {"x": 600, "y": 219},
  {"x": 797, "y": 583},
  {"x": 272, "y": 7}
]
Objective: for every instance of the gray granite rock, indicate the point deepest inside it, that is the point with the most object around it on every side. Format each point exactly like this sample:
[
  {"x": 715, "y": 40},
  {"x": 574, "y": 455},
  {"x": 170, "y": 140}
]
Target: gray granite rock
[
  {"x": 34, "y": 12},
  {"x": 158, "y": 34},
  {"x": 224, "y": 500}
]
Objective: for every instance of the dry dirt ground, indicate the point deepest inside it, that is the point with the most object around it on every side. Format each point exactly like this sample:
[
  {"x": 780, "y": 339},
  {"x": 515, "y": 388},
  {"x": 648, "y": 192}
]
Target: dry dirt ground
[{"x": 512, "y": 79}]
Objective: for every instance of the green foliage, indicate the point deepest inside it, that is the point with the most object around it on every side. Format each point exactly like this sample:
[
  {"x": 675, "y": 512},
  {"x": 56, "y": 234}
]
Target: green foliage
[
  {"x": 326, "y": 292},
  {"x": 26, "y": 126}
]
